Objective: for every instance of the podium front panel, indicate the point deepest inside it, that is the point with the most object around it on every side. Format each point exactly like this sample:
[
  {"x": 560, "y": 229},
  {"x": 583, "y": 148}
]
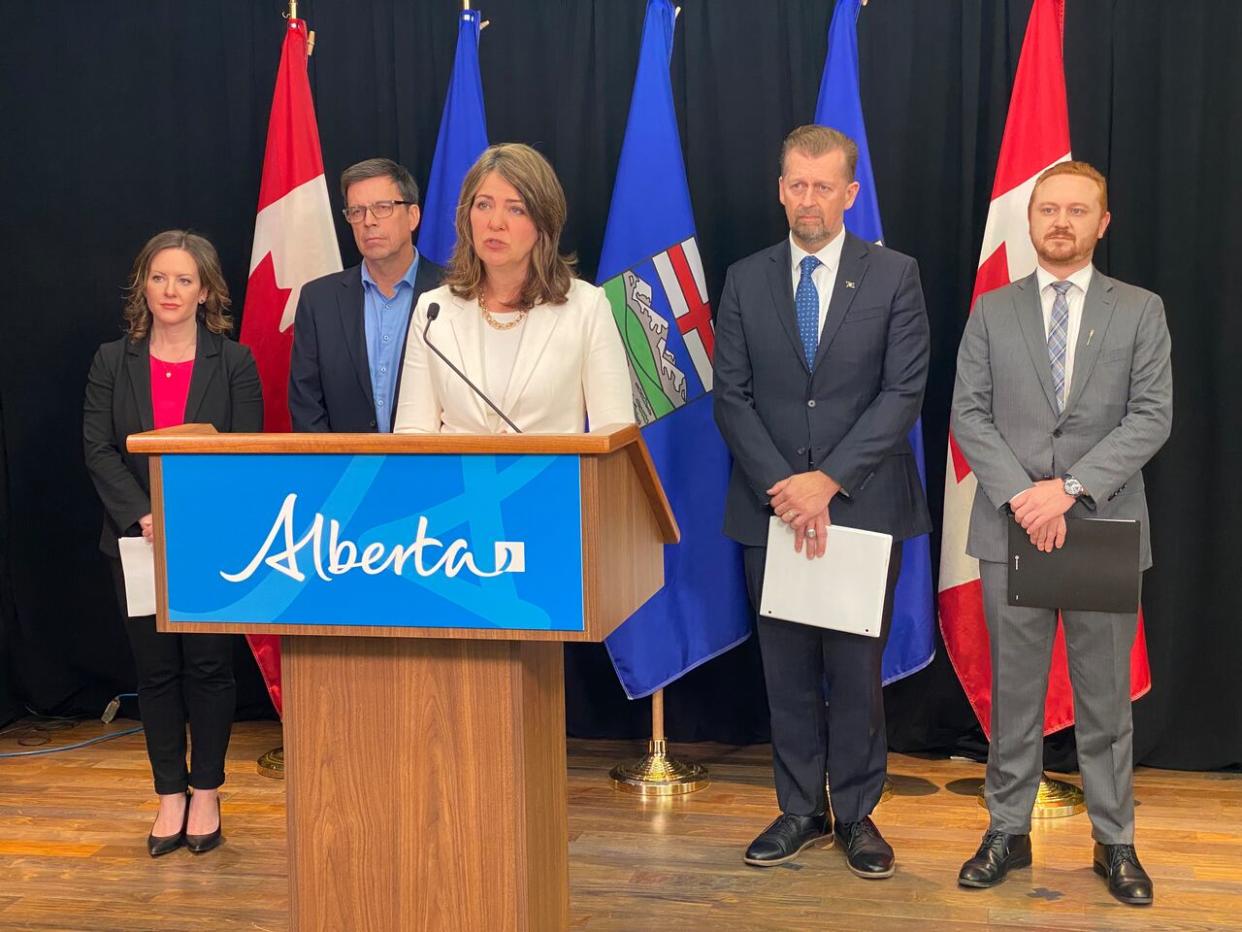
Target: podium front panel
[{"x": 484, "y": 542}]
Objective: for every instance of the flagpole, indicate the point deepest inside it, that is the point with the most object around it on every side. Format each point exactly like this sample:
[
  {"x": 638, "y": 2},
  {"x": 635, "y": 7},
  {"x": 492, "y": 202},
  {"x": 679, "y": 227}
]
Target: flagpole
[
  {"x": 272, "y": 763},
  {"x": 656, "y": 774}
]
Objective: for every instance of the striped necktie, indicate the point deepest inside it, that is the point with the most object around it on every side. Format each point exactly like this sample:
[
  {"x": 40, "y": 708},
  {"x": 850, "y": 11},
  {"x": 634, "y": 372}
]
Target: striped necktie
[
  {"x": 1058, "y": 338},
  {"x": 806, "y": 302}
]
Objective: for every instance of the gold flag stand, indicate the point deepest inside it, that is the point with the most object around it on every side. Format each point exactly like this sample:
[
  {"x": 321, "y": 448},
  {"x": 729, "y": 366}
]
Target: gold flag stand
[
  {"x": 272, "y": 764},
  {"x": 1057, "y": 799},
  {"x": 656, "y": 774}
]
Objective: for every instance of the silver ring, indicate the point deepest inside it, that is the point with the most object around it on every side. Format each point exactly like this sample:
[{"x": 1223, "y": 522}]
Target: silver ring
[{"x": 810, "y": 532}]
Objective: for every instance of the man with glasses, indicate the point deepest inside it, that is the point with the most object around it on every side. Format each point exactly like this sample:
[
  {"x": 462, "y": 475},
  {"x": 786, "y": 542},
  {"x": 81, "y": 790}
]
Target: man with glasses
[{"x": 350, "y": 327}]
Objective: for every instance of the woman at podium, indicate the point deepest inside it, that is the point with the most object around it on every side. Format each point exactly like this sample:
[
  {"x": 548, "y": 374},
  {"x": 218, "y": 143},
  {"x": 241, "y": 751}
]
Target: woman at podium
[
  {"x": 512, "y": 341},
  {"x": 174, "y": 365}
]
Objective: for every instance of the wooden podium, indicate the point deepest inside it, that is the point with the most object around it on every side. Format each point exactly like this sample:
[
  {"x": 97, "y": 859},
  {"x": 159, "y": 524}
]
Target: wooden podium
[{"x": 425, "y": 765}]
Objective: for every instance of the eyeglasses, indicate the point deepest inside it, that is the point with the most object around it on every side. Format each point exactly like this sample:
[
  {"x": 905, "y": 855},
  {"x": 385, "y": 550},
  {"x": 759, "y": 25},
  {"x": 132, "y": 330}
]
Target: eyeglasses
[{"x": 381, "y": 210}]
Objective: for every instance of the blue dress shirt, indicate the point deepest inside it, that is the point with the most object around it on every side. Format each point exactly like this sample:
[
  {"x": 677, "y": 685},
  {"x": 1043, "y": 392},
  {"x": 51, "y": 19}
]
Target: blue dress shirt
[{"x": 386, "y": 320}]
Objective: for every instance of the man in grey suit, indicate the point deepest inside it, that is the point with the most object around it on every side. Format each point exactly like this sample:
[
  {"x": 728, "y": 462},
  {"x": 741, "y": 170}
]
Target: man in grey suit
[
  {"x": 820, "y": 364},
  {"x": 1064, "y": 392}
]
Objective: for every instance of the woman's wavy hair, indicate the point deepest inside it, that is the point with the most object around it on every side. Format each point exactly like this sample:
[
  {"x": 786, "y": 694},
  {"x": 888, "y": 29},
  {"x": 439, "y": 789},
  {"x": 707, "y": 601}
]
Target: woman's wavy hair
[
  {"x": 550, "y": 274},
  {"x": 213, "y": 312}
]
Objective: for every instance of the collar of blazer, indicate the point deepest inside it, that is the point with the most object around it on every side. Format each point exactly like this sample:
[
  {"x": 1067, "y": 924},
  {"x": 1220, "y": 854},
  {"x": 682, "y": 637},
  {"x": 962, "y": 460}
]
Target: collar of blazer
[
  {"x": 466, "y": 321},
  {"x": 855, "y": 258},
  {"x": 1097, "y": 311},
  {"x": 138, "y": 364},
  {"x": 353, "y": 327}
]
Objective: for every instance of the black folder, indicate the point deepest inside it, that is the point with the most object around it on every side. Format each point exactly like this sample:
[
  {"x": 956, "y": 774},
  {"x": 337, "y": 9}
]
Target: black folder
[{"x": 1097, "y": 570}]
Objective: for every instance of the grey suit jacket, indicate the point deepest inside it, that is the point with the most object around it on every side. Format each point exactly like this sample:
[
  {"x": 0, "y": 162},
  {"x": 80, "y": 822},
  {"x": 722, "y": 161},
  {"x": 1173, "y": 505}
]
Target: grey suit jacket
[
  {"x": 1118, "y": 414},
  {"x": 849, "y": 415}
]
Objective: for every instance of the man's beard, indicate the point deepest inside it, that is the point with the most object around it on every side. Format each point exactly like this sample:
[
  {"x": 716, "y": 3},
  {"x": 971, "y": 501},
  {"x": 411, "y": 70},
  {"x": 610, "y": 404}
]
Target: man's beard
[
  {"x": 1059, "y": 249},
  {"x": 811, "y": 229}
]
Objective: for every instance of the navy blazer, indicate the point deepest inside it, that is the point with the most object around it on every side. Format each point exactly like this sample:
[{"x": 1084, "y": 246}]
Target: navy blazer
[
  {"x": 224, "y": 392},
  {"x": 329, "y": 373},
  {"x": 849, "y": 415}
]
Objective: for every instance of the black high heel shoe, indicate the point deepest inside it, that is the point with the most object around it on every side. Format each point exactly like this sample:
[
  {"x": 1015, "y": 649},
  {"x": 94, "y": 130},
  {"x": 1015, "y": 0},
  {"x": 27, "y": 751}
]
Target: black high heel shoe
[
  {"x": 201, "y": 844},
  {"x": 158, "y": 845}
]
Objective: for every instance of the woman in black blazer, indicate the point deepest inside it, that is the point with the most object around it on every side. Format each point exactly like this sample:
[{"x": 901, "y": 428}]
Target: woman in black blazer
[{"x": 173, "y": 366}]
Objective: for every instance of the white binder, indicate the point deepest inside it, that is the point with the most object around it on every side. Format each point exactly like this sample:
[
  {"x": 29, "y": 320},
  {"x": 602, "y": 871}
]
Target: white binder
[{"x": 842, "y": 590}]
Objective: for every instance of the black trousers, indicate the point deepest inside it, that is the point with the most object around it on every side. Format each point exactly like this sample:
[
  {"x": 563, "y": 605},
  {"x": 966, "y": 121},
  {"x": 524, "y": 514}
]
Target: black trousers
[
  {"x": 846, "y": 740},
  {"x": 182, "y": 678}
]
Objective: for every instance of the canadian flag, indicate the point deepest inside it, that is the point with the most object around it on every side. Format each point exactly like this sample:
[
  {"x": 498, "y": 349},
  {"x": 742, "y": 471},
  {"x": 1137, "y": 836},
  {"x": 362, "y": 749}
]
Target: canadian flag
[
  {"x": 294, "y": 242},
  {"x": 1036, "y": 137}
]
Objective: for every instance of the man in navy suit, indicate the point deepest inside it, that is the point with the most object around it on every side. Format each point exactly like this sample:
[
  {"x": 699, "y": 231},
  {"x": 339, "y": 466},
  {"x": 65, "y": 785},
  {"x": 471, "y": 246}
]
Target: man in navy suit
[
  {"x": 821, "y": 360},
  {"x": 350, "y": 327}
]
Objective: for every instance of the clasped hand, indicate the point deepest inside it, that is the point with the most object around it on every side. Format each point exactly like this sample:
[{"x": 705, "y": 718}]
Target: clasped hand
[
  {"x": 1040, "y": 510},
  {"x": 801, "y": 501}
]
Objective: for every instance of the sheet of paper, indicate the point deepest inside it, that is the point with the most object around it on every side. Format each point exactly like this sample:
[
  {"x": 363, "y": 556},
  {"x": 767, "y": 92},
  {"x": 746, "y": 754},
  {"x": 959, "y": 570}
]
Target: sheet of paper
[
  {"x": 842, "y": 590},
  {"x": 138, "y": 563}
]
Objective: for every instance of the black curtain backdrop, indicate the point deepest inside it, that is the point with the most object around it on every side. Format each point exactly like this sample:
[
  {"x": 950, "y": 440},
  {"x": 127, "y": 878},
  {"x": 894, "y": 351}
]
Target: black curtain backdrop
[{"x": 121, "y": 120}]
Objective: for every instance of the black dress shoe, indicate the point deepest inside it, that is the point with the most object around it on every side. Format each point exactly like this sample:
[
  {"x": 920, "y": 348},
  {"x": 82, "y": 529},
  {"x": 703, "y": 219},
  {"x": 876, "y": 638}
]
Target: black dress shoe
[
  {"x": 158, "y": 845},
  {"x": 785, "y": 839},
  {"x": 200, "y": 844},
  {"x": 866, "y": 851},
  {"x": 1127, "y": 881},
  {"x": 997, "y": 855}
]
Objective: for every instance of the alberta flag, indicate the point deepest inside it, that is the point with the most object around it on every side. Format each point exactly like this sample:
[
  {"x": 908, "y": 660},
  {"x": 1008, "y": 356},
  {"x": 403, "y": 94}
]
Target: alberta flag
[
  {"x": 462, "y": 139},
  {"x": 912, "y": 639},
  {"x": 651, "y": 271}
]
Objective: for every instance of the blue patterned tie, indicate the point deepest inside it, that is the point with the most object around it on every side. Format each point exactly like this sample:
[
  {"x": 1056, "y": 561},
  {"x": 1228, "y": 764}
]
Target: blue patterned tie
[
  {"x": 806, "y": 301},
  {"x": 1058, "y": 338}
]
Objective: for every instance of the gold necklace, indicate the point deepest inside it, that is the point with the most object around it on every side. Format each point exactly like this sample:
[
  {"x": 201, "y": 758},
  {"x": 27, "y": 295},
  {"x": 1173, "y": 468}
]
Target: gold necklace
[
  {"x": 501, "y": 325},
  {"x": 182, "y": 357}
]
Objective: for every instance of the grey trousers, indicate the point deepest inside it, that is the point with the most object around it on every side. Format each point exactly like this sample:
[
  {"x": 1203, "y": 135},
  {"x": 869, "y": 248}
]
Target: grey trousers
[{"x": 1098, "y": 645}]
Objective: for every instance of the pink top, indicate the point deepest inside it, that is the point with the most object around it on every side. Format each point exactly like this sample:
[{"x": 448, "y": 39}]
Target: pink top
[{"x": 170, "y": 387}]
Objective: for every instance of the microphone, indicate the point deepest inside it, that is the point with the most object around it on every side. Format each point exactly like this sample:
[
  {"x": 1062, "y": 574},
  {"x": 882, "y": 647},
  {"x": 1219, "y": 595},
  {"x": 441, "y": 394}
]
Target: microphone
[{"x": 433, "y": 311}]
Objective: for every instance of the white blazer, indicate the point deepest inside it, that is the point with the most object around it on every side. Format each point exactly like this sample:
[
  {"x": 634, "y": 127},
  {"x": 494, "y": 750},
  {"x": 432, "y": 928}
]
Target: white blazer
[{"x": 570, "y": 367}]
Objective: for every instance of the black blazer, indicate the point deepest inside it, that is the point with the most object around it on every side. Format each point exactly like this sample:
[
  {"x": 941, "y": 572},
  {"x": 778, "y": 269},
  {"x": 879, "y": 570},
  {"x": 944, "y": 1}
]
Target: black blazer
[
  {"x": 329, "y": 373},
  {"x": 224, "y": 392},
  {"x": 850, "y": 415}
]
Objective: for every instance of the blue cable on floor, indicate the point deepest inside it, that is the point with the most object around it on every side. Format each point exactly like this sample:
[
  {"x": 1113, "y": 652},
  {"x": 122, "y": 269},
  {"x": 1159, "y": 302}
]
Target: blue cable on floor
[
  {"x": 72, "y": 747},
  {"x": 107, "y": 717}
]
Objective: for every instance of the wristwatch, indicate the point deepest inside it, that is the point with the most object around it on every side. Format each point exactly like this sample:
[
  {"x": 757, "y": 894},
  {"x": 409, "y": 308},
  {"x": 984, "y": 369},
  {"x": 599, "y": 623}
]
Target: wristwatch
[{"x": 1073, "y": 488}]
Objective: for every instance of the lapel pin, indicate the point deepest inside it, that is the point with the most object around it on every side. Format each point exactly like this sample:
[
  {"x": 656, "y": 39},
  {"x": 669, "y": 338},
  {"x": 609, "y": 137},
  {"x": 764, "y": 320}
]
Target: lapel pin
[{"x": 848, "y": 283}]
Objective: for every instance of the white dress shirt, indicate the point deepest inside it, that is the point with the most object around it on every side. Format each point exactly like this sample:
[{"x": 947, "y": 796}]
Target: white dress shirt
[
  {"x": 825, "y": 275},
  {"x": 1075, "y": 297}
]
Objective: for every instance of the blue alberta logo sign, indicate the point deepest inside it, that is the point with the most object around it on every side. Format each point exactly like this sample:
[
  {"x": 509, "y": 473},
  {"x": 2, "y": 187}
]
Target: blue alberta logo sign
[{"x": 406, "y": 541}]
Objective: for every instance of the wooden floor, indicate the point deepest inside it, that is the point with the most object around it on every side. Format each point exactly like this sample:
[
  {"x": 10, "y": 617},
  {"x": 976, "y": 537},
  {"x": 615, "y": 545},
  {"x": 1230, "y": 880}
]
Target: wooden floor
[{"x": 73, "y": 827}]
